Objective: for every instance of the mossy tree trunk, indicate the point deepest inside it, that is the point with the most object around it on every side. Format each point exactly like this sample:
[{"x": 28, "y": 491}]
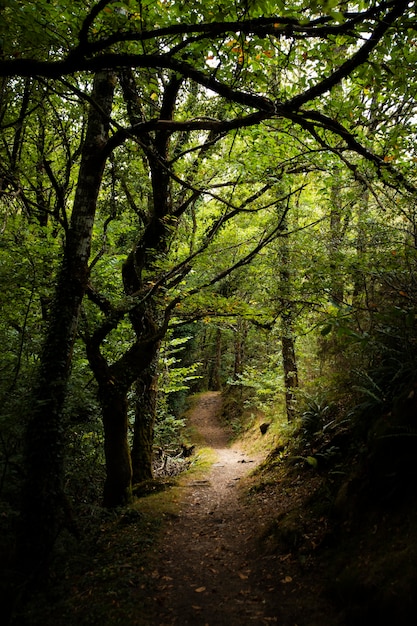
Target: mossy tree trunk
[
  {"x": 147, "y": 314},
  {"x": 114, "y": 382},
  {"x": 43, "y": 498},
  {"x": 118, "y": 483},
  {"x": 290, "y": 370},
  {"x": 289, "y": 360},
  {"x": 148, "y": 318},
  {"x": 146, "y": 391}
]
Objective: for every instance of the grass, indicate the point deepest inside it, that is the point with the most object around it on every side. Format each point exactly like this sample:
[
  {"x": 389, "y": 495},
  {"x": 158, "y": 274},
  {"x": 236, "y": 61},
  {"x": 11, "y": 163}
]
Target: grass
[
  {"x": 279, "y": 433},
  {"x": 167, "y": 502}
]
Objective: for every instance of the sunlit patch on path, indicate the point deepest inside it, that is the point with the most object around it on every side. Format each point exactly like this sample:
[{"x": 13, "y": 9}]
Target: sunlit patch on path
[{"x": 204, "y": 561}]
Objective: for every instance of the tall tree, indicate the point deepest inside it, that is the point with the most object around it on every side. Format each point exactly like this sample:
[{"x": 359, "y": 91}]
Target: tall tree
[
  {"x": 235, "y": 59},
  {"x": 43, "y": 491},
  {"x": 289, "y": 360}
]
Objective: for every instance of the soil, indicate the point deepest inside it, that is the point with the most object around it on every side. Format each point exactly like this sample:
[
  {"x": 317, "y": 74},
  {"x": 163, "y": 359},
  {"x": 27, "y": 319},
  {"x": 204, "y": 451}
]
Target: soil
[
  {"x": 246, "y": 542},
  {"x": 204, "y": 559},
  {"x": 211, "y": 569}
]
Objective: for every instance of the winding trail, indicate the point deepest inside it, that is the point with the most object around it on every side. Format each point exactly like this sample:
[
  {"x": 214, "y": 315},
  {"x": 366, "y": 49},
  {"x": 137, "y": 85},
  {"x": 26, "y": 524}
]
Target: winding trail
[{"x": 206, "y": 555}]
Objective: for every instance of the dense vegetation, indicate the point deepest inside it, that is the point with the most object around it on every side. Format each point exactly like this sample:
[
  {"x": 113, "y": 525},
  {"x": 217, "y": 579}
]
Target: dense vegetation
[{"x": 211, "y": 195}]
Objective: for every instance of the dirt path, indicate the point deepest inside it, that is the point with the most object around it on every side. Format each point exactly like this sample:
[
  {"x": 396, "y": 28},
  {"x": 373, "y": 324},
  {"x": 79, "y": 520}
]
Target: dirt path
[
  {"x": 223, "y": 558},
  {"x": 205, "y": 559}
]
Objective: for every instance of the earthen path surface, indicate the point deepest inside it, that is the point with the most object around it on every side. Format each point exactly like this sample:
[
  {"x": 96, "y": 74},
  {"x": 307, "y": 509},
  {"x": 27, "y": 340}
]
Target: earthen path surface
[{"x": 206, "y": 556}]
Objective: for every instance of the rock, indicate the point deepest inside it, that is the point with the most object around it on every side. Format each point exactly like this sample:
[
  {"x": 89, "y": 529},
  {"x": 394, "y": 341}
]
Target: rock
[{"x": 264, "y": 427}]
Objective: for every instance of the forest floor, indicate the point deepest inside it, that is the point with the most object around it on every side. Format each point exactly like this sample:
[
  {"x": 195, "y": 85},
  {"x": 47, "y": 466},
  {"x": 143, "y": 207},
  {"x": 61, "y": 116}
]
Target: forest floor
[
  {"x": 210, "y": 569},
  {"x": 233, "y": 543}
]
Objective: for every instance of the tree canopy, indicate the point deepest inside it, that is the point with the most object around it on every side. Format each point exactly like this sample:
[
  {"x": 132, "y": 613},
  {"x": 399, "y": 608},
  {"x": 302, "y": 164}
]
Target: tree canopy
[{"x": 229, "y": 182}]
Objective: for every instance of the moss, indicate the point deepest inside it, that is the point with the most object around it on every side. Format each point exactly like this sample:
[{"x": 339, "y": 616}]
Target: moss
[
  {"x": 283, "y": 534},
  {"x": 378, "y": 587},
  {"x": 154, "y": 485}
]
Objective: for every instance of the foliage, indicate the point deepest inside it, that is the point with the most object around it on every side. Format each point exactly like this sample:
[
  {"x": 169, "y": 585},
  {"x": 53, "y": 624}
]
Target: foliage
[
  {"x": 175, "y": 380},
  {"x": 316, "y": 416},
  {"x": 239, "y": 131}
]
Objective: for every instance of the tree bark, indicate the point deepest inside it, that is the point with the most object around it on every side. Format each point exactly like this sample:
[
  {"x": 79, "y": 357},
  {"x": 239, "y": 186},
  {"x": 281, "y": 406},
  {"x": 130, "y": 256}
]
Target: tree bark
[
  {"x": 289, "y": 360},
  {"x": 145, "y": 412},
  {"x": 290, "y": 372},
  {"x": 45, "y": 436},
  {"x": 147, "y": 318},
  {"x": 114, "y": 382},
  {"x": 239, "y": 347},
  {"x": 335, "y": 241},
  {"x": 118, "y": 483}
]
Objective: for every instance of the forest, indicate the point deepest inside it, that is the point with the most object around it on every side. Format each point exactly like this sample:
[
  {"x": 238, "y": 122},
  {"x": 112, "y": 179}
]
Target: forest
[{"x": 208, "y": 196}]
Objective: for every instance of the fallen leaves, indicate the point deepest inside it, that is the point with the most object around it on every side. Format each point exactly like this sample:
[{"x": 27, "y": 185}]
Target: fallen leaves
[{"x": 286, "y": 580}]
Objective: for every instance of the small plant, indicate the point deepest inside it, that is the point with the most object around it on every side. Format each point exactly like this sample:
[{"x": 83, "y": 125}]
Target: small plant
[
  {"x": 316, "y": 416},
  {"x": 168, "y": 431}
]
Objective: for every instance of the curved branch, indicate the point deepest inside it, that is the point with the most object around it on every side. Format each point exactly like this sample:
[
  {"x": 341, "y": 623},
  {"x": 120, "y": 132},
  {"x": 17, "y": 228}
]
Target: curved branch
[
  {"x": 309, "y": 120},
  {"x": 275, "y": 25},
  {"x": 399, "y": 7},
  {"x": 88, "y": 21}
]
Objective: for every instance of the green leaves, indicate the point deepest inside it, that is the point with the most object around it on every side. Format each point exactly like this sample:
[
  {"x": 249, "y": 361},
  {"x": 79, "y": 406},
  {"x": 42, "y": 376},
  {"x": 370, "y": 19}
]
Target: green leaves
[{"x": 38, "y": 28}]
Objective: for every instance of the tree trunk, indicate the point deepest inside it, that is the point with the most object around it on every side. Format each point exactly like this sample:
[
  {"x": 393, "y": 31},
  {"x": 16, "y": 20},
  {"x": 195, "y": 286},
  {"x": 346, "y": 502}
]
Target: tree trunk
[
  {"x": 118, "y": 484},
  {"x": 215, "y": 383},
  {"x": 114, "y": 382},
  {"x": 335, "y": 242},
  {"x": 239, "y": 347},
  {"x": 43, "y": 490},
  {"x": 145, "y": 411},
  {"x": 147, "y": 318},
  {"x": 289, "y": 360},
  {"x": 290, "y": 373}
]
